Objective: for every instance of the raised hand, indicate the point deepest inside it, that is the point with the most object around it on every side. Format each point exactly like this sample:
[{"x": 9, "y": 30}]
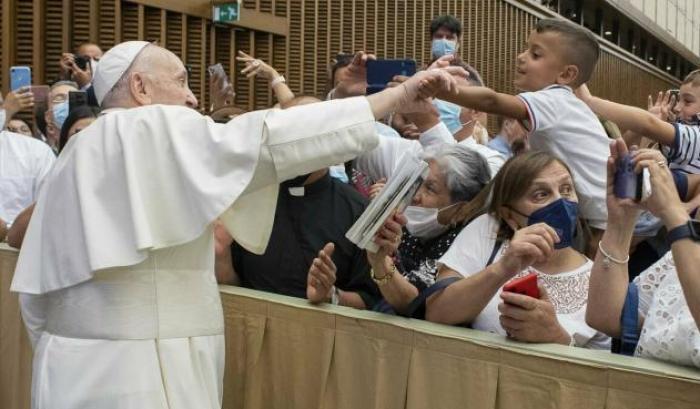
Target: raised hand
[
  {"x": 388, "y": 238},
  {"x": 530, "y": 245},
  {"x": 18, "y": 100},
  {"x": 353, "y": 80},
  {"x": 420, "y": 88},
  {"x": 256, "y": 67},
  {"x": 663, "y": 107},
  {"x": 322, "y": 275}
]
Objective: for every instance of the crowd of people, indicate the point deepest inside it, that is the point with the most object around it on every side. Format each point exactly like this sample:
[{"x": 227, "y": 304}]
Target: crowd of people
[{"x": 538, "y": 197}]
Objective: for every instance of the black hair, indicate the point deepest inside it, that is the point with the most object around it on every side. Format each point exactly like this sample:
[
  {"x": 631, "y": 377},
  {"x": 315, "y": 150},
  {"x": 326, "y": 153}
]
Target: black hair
[
  {"x": 449, "y": 22},
  {"x": 75, "y": 115}
]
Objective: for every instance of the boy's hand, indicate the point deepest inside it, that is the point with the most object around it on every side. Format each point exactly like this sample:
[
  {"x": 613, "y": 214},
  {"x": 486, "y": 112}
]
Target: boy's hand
[{"x": 663, "y": 107}]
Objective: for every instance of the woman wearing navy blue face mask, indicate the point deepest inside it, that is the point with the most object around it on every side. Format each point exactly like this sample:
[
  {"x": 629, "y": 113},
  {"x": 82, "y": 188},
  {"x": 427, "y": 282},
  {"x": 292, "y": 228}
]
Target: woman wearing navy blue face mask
[{"x": 528, "y": 227}]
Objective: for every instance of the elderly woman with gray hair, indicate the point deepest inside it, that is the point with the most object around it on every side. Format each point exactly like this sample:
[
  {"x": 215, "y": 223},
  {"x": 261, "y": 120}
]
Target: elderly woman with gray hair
[{"x": 411, "y": 243}]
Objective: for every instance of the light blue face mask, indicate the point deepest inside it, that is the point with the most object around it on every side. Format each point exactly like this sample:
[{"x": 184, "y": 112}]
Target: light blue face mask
[
  {"x": 449, "y": 115},
  {"x": 60, "y": 113},
  {"x": 338, "y": 172},
  {"x": 443, "y": 46}
]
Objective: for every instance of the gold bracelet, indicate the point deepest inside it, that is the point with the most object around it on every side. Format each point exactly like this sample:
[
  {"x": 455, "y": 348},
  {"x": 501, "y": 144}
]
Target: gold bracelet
[{"x": 383, "y": 280}]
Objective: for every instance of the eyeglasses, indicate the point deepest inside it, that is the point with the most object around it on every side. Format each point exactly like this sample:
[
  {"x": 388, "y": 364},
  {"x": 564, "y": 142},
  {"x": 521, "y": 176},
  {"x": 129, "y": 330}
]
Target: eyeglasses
[{"x": 59, "y": 98}]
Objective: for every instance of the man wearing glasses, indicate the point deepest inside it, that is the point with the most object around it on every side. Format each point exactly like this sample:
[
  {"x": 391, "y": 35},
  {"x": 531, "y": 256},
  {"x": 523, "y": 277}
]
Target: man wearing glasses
[{"x": 57, "y": 111}]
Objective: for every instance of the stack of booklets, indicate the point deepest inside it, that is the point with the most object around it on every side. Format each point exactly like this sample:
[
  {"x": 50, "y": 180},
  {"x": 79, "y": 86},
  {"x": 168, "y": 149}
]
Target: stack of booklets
[{"x": 396, "y": 195}]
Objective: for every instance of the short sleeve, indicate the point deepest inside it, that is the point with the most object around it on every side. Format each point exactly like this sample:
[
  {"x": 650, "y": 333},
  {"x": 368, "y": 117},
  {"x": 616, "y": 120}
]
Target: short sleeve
[
  {"x": 685, "y": 144},
  {"x": 541, "y": 109},
  {"x": 649, "y": 280},
  {"x": 471, "y": 249}
]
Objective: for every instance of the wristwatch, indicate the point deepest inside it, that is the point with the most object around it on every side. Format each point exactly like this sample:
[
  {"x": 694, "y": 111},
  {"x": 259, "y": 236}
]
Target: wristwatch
[{"x": 689, "y": 230}]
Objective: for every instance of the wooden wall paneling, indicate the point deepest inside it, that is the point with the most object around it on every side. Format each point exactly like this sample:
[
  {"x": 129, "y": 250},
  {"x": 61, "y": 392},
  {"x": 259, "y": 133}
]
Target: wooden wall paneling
[
  {"x": 80, "y": 27},
  {"x": 183, "y": 33},
  {"x": 309, "y": 48},
  {"x": 39, "y": 47},
  {"x": 130, "y": 21},
  {"x": 95, "y": 21},
  {"x": 4, "y": 48},
  {"x": 294, "y": 72},
  {"x": 322, "y": 47},
  {"x": 194, "y": 55},
  {"x": 346, "y": 26},
  {"x": 360, "y": 25},
  {"x": 164, "y": 28},
  {"x": 242, "y": 41},
  {"x": 53, "y": 39},
  {"x": 108, "y": 23},
  {"x": 206, "y": 57},
  {"x": 251, "y": 81},
  {"x": 174, "y": 35},
  {"x": 152, "y": 24},
  {"x": 261, "y": 89},
  {"x": 141, "y": 16},
  {"x": 281, "y": 8},
  {"x": 118, "y": 26}
]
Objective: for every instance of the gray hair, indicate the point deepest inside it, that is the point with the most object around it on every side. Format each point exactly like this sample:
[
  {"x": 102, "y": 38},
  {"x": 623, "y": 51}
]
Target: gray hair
[
  {"x": 466, "y": 171},
  {"x": 64, "y": 82}
]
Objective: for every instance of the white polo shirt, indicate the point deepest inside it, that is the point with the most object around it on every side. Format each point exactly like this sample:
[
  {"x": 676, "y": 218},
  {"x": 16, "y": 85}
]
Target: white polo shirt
[
  {"x": 24, "y": 162},
  {"x": 564, "y": 126}
]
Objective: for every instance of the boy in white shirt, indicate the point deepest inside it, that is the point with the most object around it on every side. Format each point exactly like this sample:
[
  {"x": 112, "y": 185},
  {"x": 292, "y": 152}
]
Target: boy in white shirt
[{"x": 560, "y": 57}]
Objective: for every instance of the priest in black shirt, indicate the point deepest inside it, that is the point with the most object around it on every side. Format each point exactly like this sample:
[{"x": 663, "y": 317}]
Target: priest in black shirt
[
  {"x": 312, "y": 211},
  {"x": 307, "y": 250}
]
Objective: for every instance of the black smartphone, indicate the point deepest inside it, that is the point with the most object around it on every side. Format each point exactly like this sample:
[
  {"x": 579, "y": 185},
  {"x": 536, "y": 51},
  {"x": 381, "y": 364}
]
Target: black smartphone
[
  {"x": 76, "y": 99},
  {"x": 381, "y": 72},
  {"x": 82, "y": 61}
]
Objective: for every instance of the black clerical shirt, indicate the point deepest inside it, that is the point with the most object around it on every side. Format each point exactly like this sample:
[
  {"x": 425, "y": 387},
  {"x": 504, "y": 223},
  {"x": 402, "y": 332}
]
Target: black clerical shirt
[{"x": 306, "y": 219}]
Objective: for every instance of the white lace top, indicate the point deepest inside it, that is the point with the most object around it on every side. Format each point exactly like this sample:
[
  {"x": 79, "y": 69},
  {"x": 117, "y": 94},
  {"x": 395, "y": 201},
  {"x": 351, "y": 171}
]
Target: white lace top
[
  {"x": 568, "y": 290},
  {"x": 669, "y": 332}
]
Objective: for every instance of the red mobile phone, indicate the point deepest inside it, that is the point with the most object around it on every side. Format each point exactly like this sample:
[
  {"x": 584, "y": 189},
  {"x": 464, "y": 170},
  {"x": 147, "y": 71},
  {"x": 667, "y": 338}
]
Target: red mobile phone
[{"x": 524, "y": 285}]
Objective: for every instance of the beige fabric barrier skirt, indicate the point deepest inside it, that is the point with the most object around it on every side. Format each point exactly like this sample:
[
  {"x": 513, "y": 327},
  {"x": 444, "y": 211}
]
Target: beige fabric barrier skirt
[{"x": 282, "y": 352}]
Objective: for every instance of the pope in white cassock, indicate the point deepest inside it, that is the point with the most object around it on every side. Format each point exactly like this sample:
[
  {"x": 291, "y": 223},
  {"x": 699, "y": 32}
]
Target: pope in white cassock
[{"x": 116, "y": 275}]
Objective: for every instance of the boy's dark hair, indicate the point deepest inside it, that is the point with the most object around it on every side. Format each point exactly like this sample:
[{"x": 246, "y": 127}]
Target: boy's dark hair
[
  {"x": 582, "y": 48},
  {"x": 449, "y": 22}
]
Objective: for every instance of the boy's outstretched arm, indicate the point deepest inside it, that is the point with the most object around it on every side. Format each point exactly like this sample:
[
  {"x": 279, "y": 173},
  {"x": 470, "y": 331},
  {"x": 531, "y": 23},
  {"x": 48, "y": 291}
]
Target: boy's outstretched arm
[
  {"x": 631, "y": 118},
  {"x": 487, "y": 100}
]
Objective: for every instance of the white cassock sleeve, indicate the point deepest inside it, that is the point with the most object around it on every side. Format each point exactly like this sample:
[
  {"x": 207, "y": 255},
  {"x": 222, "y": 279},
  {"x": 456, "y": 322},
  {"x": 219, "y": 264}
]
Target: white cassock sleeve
[{"x": 156, "y": 176}]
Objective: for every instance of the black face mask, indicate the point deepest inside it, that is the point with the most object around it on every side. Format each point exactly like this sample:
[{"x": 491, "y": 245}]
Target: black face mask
[{"x": 297, "y": 181}]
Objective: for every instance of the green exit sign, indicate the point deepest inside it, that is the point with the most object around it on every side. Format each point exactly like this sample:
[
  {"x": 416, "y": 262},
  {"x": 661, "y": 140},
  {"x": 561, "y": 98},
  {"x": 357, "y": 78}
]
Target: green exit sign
[{"x": 226, "y": 12}]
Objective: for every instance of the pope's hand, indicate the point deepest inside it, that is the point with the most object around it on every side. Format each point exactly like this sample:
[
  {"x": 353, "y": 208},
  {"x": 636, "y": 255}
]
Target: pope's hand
[{"x": 426, "y": 84}]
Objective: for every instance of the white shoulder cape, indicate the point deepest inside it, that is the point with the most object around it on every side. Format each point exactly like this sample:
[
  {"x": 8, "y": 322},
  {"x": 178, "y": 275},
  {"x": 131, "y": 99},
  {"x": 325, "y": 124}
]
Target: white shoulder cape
[{"x": 156, "y": 176}]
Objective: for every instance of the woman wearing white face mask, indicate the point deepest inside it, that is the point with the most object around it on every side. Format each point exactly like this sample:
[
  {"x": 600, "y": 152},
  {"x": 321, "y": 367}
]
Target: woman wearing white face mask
[{"x": 406, "y": 262}]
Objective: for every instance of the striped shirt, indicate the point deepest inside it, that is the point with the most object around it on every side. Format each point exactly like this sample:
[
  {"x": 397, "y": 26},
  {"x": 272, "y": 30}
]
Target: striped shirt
[{"x": 684, "y": 154}]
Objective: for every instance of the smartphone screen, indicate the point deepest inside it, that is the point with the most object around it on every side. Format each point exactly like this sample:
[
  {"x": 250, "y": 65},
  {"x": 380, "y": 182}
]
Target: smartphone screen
[
  {"x": 20, "y": 77},
  {"x": 381, "y": 72},
  {"x": 41, "y": 97}
]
